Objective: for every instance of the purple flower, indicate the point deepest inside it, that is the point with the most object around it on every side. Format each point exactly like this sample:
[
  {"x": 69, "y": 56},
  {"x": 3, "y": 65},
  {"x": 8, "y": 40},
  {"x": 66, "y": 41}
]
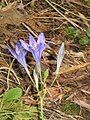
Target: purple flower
[
  {"x": 36, "y": 48},
  {"x": 19, "y": 53}
]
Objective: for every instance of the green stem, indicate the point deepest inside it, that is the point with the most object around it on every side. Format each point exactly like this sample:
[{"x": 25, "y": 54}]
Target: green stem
[
  {"x": 54, "y": 80},
  {"x": 41, "y": 96},
  {"x": 41, "y": 105},
  {"x": 29, "y": 75}
]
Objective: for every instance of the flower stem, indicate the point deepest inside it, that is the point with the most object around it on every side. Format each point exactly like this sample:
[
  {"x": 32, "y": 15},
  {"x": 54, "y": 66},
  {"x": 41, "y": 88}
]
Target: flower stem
[
  {"x": 41, "y": 106},
  {"x": 54, "y": 80},
  {"x": 29, "y": 75}
]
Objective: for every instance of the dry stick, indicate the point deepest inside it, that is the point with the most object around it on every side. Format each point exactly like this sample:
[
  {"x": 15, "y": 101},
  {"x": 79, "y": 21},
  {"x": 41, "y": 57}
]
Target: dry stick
[
  {"x": 80, "y": 4},
  {"x": 5, "y": 54},
  {"x": 65, "y": 9},
  {"x": 69, "y": 70},
  {"x": 6, "y": 2},
  {"x": 87, "y": 92},
  {"x": 73, "y": 68},
  {"x": 69, "y": 11},
  {"x": 74, "y": 24},
  {"x": 30, "y": 30},
  {"x": 9, "y": 74},
  {"x": 12, "y": 72}
]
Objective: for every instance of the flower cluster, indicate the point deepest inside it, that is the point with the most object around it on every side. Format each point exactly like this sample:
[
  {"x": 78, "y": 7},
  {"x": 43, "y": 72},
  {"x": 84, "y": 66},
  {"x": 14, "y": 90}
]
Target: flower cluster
[{"x": 36, "y": 48}]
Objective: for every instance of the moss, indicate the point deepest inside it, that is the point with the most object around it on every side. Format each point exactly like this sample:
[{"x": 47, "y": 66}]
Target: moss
[{"x": 70, "y": 108}]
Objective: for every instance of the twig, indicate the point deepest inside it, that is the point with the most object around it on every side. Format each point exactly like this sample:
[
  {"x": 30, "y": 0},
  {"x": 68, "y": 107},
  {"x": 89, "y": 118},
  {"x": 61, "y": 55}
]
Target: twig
[
  {"x": 73, "y": 68},
  {"x": 74, "y": 24},
  {"x": 12, "y": 72},
  {"x": 30, "y": 30},
  {"x": 8, "y": 74}
]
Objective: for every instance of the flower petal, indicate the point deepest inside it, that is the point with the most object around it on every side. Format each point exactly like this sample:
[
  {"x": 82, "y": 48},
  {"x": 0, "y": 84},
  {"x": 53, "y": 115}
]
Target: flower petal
[
  {"x": 41, "y": 38},
  {"x": 18, "y": 46},
  {"x": 41, "y": 48},
  {"x": 36, "y": 55},
  {"x": 24, "y": 44},
  {"x": 60, "y": 57},
  {"x": 21, "y": 58},
  {"x": 32, "y": 41},
  {"x": 12, "y": 51}
]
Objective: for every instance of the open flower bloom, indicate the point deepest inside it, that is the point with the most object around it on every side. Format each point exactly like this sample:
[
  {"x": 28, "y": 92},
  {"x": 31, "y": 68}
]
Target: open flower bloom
[
  {"x": 19, "y": 53},
  {"x": 36, "y": 48}
]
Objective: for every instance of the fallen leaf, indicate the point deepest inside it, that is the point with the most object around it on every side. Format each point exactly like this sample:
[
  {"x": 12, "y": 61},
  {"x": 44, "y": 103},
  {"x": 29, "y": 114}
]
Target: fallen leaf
[{"x": 10, "y": 15}]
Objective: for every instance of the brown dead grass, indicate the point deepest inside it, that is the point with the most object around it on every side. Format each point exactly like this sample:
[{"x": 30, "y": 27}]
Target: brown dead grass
[{"x": 51, "y": 17}]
